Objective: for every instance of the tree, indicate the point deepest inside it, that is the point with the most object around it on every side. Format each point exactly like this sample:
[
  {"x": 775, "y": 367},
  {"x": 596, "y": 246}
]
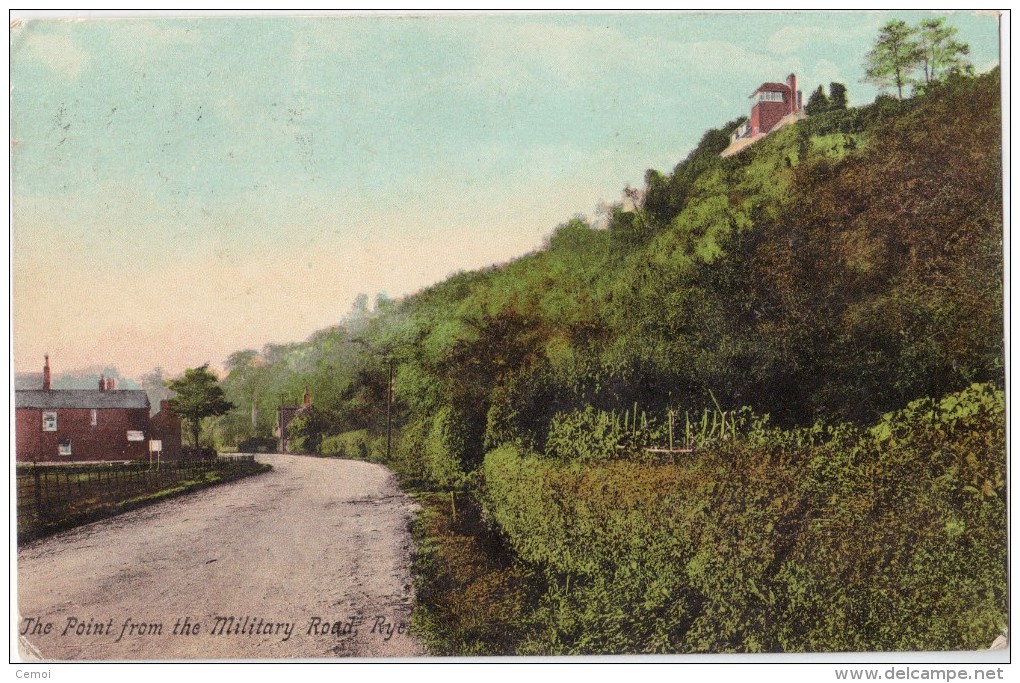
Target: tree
[
  {"x": 941, "y": 54},
  {"x": 198, "y": 396},
  {"x": 818, "y": 103},
  {"x": 895, "y": 55},
  {"x": 837, "y": 96}
]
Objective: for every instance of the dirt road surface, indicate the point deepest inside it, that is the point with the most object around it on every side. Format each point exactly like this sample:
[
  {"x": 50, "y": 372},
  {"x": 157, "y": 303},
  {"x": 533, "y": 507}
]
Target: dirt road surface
[{"x": 310, "y": 560}]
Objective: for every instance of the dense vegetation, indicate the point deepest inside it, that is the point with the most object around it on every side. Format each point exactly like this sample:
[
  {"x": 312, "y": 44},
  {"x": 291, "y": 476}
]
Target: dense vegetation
[
  {"x": 843, "y": 276},
  {"x": 768, "y": 544}
]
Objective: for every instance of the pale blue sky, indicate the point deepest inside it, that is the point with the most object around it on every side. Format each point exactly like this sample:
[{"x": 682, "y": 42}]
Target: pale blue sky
[{"x": 185, "y": 188}]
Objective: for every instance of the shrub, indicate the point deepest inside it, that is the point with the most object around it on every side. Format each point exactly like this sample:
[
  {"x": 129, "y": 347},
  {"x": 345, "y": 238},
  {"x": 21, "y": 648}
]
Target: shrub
[
  {"x": 258, "y": 444},
  {"x": 821, "y": 539},
  {"x": 587, "y": 435},
  {"x": 355, "y": 444},
  {"x": 444, "y": 447}
]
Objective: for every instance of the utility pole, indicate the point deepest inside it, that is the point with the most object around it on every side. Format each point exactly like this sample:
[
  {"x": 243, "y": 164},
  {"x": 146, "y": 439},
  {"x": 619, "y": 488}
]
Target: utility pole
[
  {"x": 386, "y": 352},
  {"x": 389, "y": 407}
]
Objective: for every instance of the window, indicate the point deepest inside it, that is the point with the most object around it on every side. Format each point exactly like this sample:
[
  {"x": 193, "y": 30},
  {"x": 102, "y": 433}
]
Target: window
[
  {"x": 65, "y": 447},
  {"x": 769, "y": 96},
  {"x": 49, "y": 421},
  {"x": 95, "y": 417}
]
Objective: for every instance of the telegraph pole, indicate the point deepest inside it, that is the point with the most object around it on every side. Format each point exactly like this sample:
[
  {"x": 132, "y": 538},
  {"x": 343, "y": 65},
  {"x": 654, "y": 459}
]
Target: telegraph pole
[
  {"x": 388, "y": 353},
  {"x": 389, "y": 407}
]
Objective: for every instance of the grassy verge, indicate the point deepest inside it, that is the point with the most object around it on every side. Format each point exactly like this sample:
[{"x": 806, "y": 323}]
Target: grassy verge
[{"x": 472, "y": 598}]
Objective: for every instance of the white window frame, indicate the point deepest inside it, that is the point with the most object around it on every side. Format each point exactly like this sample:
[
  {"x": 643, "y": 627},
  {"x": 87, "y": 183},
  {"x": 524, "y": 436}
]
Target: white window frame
[
  {"x": 64, "y": 447},
  {"x": 770, "y": 96},
  {"x": 49, "y": 421},
  {"x": 95, "y": 417}
]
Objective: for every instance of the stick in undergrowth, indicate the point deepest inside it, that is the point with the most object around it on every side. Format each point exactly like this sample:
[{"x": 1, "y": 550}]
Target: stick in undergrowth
[
  {"x": 670, "y": 429},
  {"x": 717, "y": 406}
]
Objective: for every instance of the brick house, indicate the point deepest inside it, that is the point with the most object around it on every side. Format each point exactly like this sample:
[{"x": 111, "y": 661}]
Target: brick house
[
  {"x": 166, "y": 427},
  {"x": 775, "y": 105},
  {"x": 75, "y": 425}
]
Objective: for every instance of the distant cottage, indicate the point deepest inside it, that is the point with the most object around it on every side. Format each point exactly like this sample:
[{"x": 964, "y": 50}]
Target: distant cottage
[
  {"x": 285, "y": 414},
  {"x": 77, "y": 425},
  {"x": 775, "y": 105}
]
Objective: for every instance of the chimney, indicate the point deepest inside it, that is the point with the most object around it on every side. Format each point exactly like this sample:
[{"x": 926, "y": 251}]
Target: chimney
[
  {"x": 164, "y": 406},
  {"x": 102, "y": 382},
  {"x": 791, "y": 81},
  {"x": 308, "y": 398},
  {"x": 111, "y": 384},
  {"x": 46, "y": 373}
]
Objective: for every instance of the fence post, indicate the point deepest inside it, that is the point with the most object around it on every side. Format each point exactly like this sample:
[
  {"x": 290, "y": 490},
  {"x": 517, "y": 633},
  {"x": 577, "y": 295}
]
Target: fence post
[{"x": 38, "y": 491}]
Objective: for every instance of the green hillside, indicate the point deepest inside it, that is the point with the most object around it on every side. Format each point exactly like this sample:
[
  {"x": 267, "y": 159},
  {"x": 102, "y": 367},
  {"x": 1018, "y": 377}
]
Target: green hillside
[{"x": 761, "y": 410}]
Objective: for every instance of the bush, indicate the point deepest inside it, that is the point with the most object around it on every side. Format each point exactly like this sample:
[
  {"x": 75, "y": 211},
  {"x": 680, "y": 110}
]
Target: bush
[
  {"x": 824, "y": 539},
  {"x": 356, "y": 445},
  {"x": 445, "y": 445},
  {"x": 203, "y": 453},
  {"x": 587, "y": 435},
  {"x": 258, "y": 444}
]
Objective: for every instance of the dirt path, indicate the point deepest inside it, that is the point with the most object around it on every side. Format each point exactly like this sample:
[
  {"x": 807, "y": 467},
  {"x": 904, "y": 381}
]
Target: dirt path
[{"x": 310, "y": 560}]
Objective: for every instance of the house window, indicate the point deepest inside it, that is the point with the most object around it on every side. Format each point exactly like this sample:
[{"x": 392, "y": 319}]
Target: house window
[
  {"x": 49, "y": 421},
  {"x": 65, "y": 447},
  {"x": 95, "y": 417},
  {"x": 769, "y": 96}
]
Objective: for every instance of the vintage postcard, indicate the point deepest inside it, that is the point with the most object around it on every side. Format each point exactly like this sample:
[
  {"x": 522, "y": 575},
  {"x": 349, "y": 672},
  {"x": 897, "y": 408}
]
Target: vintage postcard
[{"x": 520, "y": 335}]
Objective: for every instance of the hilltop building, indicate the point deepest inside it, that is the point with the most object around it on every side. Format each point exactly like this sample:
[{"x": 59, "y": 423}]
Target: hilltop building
[
  {"x": 78, "y": 425},
  {"x": 775, "y": 105}
]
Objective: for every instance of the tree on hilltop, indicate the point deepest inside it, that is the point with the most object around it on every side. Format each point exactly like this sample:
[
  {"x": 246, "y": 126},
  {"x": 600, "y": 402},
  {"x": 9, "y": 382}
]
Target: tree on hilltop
[
  {"x": 895, "y": 55},
  {"x": 941, "y": 53},
  {"x": 837, "y": 96},
  {"x": 818, "y": 103}
]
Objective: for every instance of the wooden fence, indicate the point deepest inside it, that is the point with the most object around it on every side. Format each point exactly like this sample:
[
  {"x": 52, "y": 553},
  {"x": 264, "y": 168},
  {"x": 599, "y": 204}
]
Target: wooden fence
[{"x": 50, "y": 496}]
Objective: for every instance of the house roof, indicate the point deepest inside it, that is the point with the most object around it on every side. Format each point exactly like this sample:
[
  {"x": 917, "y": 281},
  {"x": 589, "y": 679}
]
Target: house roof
[
  {"x": 81, "y": 398},
  {"x": 771, "y": 87},
  {"x": 28, "y": 380}
]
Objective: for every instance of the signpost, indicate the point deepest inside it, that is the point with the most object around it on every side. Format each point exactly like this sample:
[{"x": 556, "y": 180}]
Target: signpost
[{"x": 155, "y": 446}]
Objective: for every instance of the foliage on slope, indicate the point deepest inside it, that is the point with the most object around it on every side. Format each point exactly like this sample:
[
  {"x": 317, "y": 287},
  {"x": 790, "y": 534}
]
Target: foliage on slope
[{"x": 839, "y": 269}]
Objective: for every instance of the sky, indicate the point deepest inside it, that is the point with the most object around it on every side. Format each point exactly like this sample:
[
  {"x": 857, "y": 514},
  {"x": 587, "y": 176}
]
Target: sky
[{"x": 184, "y": 188}]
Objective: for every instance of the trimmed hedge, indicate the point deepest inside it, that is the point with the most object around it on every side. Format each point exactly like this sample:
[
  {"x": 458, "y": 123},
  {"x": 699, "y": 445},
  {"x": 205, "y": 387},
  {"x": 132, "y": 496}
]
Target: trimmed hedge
[{"x": 892, "y": 538}]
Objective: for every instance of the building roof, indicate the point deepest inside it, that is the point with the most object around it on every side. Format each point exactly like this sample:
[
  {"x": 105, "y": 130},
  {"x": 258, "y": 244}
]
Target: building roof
[
  {"x": 771, "y": 87},
  {"x": 81, "y": 398},
  {"x": 28, "y": 380}
]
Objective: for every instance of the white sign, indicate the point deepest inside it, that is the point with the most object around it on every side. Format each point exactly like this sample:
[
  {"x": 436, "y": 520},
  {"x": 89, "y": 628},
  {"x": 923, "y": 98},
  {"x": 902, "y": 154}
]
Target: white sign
[
  {"x": 135, "y": 435},
  {"x": 155, "y": 445}
]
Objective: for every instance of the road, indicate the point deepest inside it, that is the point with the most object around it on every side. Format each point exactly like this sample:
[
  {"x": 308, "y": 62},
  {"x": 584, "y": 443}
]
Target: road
[{"x": 310, "y": 560}]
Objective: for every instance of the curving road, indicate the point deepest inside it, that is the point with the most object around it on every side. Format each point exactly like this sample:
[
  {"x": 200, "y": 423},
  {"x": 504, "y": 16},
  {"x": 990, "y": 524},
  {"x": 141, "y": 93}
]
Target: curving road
[{"x": 310, "y": 560}]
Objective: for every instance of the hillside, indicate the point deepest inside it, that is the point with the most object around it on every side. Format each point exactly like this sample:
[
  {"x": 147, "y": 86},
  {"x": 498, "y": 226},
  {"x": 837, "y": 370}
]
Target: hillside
[
  {"x": 762, "y": 410},
  {"x": 838, "y": 269}
]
